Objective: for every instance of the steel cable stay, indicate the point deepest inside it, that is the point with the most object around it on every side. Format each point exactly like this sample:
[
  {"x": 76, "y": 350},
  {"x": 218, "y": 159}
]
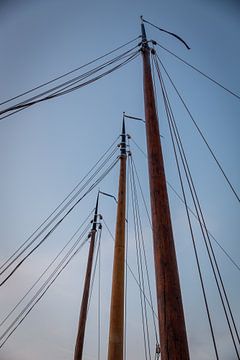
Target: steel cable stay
[
  {"x": 142, "y": 246},
  {"x": 54, "y": 92},
  {"x": 134, "y": 276},
  {"x": 146, "y": 347},
  {"x": 141, "y": 258},
  {"x": 102, "y": 176},
  {"x": 200, "y": 131},
  {"x": 134, "y": 170},
  {"x": 135, "y": 174},
  {"x": 48, "y": 221},
  {"x": 48, "y": 267},
  {"x": 54, "y": 218},
  {"x": 202, "y": 223},
  {"x": 65, "y": 90},
  {"x": 43, "y": 289},
  {"x": 86, "y": 230},
  {"x": 200, "y": 215},
  {"x": 139, "y": 284},
  {"x": 194, "y": 242},
  {"x": 70, "y": 72},
  {"x": 197, "y": 70},
  {"x": 230, "y": 258},
  {"x": 127, "y": 55},
  {"x": 60, "y": 88},
  {"x": 56, "y": 89}
]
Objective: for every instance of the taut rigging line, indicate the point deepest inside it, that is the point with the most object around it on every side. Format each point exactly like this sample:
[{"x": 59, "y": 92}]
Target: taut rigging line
[
  {"x": 47, "y": 268},
  {"x": 200, "y": 132},
  {"x": 70, "y": 72},
  {"x": 43, "y": 289},
  {"x": 190, "y": 210},
  {"x": 96, "y": 168},
  {"x": 68, "y": 87},
  {"x": 101, "y": 177},
  {"x": 214, "y": 265}
]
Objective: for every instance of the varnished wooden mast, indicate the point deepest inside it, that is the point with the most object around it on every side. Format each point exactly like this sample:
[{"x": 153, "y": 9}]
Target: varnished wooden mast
[
  {"x": 116, "y": 331},
  {"x": 84, "y": 304},
  {"x": 173, "y": 338}
]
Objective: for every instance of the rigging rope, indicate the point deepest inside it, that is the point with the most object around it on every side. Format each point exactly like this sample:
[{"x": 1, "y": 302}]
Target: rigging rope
[
  {"x": 200, "y": 132},
  {"x": 133, "y": 275},
  {"x": 199, "y": 71},
  {"x": 210, "y": 251},
  {"x": 134, "y": 170},
  {"x": 41, "y": 292},
  {"x": 59, "y": 222},
  {"x": 137, "y": 232},
  {"x": 48, "y": 267},
  {"x": 96, "y": 172},
  {"x": 70, "y": 72},
  {"x": 191, "y": 211},
  {"x": 26, "y": 104}
]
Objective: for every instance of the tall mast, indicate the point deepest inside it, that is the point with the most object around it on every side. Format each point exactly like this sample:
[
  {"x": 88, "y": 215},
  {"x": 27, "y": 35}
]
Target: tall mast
[
  {"x": 116, "y": 331},
  {"x": 173, "y": 338},
  {"x": 84, "y": 304}
]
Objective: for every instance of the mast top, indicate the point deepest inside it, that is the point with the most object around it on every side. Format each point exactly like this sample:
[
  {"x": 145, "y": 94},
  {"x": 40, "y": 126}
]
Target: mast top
[
  {"x": 144, "y": 36},
  {"x": 123, "y": 145},
  {"x": 94, "y": 224}
]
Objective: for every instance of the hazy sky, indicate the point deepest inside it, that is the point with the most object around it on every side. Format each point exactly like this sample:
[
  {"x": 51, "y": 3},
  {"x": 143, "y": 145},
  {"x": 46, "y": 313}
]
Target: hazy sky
[{"x": 46, "y": 149}]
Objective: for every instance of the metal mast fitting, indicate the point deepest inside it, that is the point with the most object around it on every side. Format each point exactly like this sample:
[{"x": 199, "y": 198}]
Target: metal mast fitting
[
  {"x": 173, "y": 338},
  {"x": 116, "y": 330},
  {"x": 84, "y": 305}
]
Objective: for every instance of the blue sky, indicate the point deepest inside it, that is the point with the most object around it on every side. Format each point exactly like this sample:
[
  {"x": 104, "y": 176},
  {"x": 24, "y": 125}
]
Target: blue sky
[{"x": 46, "y": 149}]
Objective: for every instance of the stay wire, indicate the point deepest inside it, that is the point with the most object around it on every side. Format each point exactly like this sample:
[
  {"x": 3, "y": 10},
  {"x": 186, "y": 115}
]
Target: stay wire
[
  {"x": 192, "y": 212},
  {"x": 130, "y": 58},
  {"x": 133, "y": 275},
  {"x": 60, "y": 89},
  {"x": 200, "y": 132},
  {"x": 35, "y": 99},
  {"x": 143, "y": 246},
  {"x": 70, "y": 72},
  {"x": 190, "y": 225},
  {"x": 29, "y": 103},
  {"x": 125, "y": 55},
  {"x": 59, "y": 222},
  {"x": 46, "y": 281},
  {"x": 58, "y": 207},
  {"x": 40, "y": 297},
  {"x": 62, "y": 85},
  {"x": 47, "y": 268},
  {"x": 200, "y": 72},
  {"x": 136, "y": 232},
  {"x": 143, "y": 254},
  {"x": 210, "y": 251}
]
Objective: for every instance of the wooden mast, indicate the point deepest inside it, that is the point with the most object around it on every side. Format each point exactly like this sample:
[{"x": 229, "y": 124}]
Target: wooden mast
[
  {"x": 173, "y": 338},
  {"x": 84, "y": 304},
  {"x": 116, "y": 331}
]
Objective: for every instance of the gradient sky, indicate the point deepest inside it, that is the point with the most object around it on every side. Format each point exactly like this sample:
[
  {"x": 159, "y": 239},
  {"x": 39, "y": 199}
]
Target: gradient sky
[{"x": 45, "y": 150}]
